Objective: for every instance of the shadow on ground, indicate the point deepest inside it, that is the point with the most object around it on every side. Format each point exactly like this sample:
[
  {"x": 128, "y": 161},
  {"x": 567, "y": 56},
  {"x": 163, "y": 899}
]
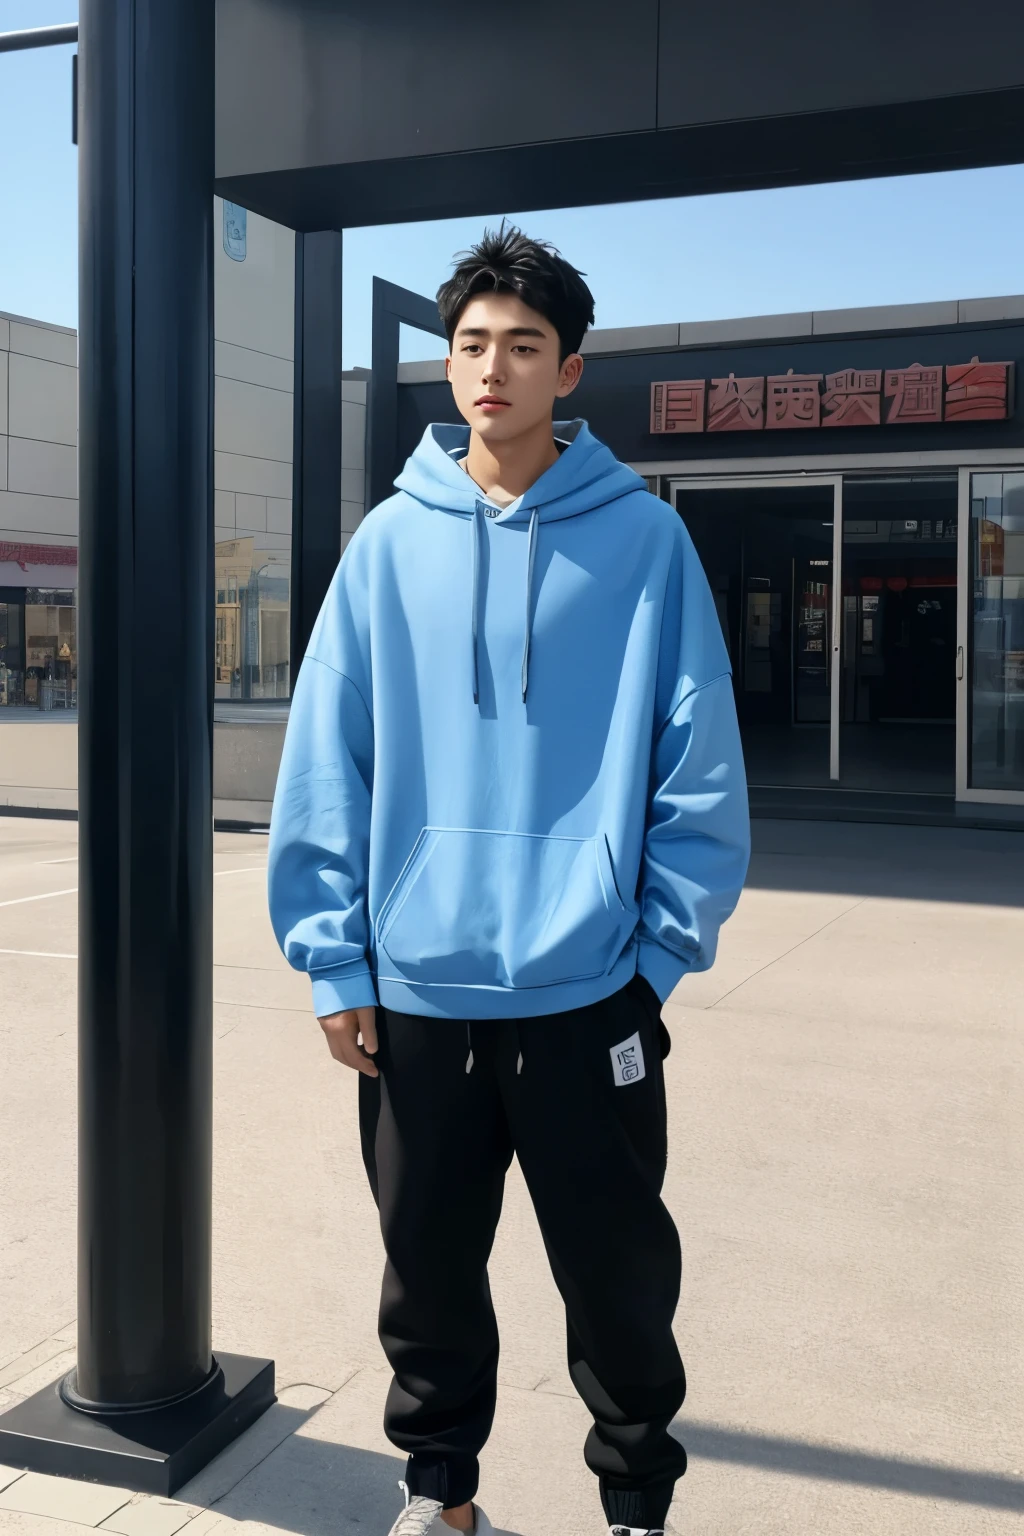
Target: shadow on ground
[
  {"x": 313, "y": 1487},
  {"x": 799, "y": 1458},
  {"x": 318, "y": 1488},
  {"x": 957, "y": 864}
]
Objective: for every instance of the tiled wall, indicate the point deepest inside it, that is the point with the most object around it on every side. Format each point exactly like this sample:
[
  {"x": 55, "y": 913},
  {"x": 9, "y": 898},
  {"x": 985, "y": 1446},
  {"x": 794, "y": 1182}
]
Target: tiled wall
[
  {"x": 38, "y": 432},
  {"x": 253, "y": 325}
]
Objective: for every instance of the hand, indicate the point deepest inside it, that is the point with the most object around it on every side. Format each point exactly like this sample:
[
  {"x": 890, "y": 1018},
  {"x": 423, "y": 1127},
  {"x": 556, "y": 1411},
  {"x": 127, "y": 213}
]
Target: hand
[{"x": 352, "y": 1038}]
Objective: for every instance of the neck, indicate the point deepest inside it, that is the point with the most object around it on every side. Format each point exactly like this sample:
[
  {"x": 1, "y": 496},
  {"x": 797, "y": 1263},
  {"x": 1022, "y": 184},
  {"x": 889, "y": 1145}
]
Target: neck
[{"x": 508, "y": 469}]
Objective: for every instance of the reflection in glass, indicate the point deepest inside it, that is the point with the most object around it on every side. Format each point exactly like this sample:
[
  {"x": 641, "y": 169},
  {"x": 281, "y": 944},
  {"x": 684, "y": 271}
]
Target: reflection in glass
[
  {"x": 38, "y": 648},
  {"x": 997, "y": 632},
  {"x": 252, "y": 628},
  {"x": 897, "y": 693},
  {"x": 767, "y": 554}
]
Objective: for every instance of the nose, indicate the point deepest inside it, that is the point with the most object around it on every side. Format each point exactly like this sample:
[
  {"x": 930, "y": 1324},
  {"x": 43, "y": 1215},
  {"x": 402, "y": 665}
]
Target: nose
[{"x": 492, "y": 370}]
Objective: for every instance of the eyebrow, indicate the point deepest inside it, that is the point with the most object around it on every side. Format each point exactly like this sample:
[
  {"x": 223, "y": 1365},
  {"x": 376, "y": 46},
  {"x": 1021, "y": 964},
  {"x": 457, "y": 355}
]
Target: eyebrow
[{"x": 515, "y": 330}]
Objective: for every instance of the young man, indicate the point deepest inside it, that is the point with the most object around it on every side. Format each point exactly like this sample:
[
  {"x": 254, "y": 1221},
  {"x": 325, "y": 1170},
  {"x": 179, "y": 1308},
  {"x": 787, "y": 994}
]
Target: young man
[{"x": 511, "y": 815}]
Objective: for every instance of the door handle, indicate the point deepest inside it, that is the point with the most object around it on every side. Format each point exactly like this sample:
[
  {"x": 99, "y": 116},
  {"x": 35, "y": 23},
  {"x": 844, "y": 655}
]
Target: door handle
[{"x": 959, "y": 663}]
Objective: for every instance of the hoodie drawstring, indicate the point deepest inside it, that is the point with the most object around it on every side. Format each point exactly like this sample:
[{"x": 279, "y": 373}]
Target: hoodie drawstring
[
  {"x": 531, "y": 555},
  {"x": 531, "y": 559},
  {"x": 478, "y": 537}
]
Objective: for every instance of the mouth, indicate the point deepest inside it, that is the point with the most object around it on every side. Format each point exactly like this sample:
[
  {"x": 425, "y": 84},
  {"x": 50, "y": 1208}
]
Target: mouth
[{"x": 493, "y": 404}]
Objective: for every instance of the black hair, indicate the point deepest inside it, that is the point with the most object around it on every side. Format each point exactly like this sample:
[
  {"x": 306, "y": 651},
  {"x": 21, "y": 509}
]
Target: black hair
[{"x": 507, "y": 261}]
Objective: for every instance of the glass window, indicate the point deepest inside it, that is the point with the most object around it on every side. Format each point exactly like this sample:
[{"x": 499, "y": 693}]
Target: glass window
[
  {"x": 252, "y": 628},
  {"x": 254, "y": 326},
  {"x": 38, "y": 648},
  {"x": 997, "y": 632}
]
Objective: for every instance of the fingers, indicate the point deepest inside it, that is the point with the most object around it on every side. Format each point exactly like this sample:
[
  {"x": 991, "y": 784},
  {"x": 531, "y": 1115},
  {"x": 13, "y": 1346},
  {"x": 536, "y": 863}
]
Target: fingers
[
  {"x": 343, "y": 1031},
  {"x": 368, "y": 1029}
]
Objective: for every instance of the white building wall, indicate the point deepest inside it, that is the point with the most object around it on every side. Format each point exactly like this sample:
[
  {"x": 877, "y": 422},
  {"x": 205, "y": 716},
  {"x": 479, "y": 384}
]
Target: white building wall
[
  {"x": 254, "y": 318},
  {"x": 253, "y": 367},
  {"x": 38, "y": 438}
]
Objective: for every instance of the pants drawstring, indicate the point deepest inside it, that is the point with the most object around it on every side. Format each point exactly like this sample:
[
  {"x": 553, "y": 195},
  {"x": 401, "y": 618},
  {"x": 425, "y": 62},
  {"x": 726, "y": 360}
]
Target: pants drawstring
[{"x": 469, "y": 1046}]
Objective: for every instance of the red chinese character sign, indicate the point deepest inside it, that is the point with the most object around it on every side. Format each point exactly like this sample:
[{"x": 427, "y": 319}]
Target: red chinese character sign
[
  {"x": 978, "y": 391},
  {"x": 913, "y": 394},
  {"x": 678, "y": 407},
  {"x": 736, "y": 405},
  {"x": 794, "y": 400},
  {"x": 852, "y": 398}
]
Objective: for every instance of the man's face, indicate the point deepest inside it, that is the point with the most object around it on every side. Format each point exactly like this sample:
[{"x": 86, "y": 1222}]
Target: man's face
[{"x": 504, "y": 367}]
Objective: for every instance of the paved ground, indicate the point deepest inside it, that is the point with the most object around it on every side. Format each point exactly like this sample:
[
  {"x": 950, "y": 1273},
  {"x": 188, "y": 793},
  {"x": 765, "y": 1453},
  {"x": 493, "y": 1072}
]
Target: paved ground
[{"x": 846, "y": 1167}]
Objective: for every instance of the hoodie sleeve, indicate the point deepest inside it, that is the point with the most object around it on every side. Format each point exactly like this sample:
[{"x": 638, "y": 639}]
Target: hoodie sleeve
[
  {"x": 697, "y": 838},
  {"x": 320, "y": 825}
]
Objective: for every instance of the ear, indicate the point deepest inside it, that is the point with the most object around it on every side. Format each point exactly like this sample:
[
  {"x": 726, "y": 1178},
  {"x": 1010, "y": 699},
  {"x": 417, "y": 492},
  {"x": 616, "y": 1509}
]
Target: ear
[
  {"x": 448, "y": 368},
  {"x": 569, "y": 375}
]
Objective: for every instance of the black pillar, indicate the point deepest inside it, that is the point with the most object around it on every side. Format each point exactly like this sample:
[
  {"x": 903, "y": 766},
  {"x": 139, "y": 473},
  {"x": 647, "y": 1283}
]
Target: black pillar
[
  {"x": 145, "y": 984},
  {"x": 393, "y": 307},
  {"x": 316, "y": 457},
  {"x": 148, "y": 1402}
]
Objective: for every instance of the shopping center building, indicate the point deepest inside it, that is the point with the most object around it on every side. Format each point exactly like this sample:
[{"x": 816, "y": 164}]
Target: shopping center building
[{"x": 853, "y": 482}]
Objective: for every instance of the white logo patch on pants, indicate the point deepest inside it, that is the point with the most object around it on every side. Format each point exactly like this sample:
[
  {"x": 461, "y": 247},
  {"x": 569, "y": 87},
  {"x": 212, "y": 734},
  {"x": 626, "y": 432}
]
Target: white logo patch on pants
[{"x": 628, "y": 1062}]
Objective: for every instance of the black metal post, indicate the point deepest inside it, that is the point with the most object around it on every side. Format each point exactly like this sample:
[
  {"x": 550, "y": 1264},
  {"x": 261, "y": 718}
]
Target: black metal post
[
  {"x": 148, "y": 1402},
  {"x": 145, "y": 985},
  {"x": 393, "y": 307},
  {"x": 316, "y": 457}
]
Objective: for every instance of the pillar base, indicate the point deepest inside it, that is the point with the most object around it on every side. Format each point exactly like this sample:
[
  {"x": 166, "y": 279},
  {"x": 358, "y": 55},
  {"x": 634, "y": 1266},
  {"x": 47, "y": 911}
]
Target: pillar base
[{"x": 152, "y": 1452}]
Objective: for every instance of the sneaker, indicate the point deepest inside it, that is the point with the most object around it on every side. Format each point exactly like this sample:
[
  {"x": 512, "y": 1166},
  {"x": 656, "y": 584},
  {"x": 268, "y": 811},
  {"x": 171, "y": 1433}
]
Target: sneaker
[
  {"x": 420, "y": 1513},
  {"x": 632, "y": 1530}
]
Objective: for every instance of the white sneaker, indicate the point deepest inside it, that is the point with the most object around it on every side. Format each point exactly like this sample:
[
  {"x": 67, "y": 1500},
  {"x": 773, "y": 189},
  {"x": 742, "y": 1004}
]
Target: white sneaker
[
  {"x": 420, "y": 1513},
  {"x": 632, "y": 1530}
]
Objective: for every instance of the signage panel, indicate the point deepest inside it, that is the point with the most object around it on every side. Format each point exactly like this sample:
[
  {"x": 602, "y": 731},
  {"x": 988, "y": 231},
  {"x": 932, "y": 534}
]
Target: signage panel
[{"x": 852, "y": 397}]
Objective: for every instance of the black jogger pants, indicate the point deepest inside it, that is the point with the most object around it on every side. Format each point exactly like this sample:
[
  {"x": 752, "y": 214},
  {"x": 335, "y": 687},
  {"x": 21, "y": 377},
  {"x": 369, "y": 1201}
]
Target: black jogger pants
[{"x": 579, "y": 1098}]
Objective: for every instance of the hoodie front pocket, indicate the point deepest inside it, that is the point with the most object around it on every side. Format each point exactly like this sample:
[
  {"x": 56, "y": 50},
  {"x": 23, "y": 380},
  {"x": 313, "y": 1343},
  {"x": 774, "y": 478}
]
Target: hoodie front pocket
[{"x": 502, "y": 909}]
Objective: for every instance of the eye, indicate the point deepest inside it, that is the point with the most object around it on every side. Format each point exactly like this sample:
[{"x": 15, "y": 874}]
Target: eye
[
  {"x": 472, "y": 346},
  {"x": 522, "y": 347}
]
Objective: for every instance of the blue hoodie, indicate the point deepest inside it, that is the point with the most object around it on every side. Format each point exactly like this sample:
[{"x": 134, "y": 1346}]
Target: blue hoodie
[{"x": 512, "y": 775}]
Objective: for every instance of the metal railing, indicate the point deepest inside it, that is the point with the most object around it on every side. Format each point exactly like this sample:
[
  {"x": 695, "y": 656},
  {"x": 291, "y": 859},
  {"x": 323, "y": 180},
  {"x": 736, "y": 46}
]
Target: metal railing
[{"x": 38, "y": 37}]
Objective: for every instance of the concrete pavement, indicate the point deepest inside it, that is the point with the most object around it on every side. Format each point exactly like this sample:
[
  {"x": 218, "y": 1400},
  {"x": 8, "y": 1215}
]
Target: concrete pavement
[{"x": 846, "y": 1168}]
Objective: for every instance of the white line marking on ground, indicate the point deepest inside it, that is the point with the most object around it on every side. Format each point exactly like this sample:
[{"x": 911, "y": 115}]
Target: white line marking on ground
[
  {"x": 72, "y": 860},
  {"x": 18, "y": 901},
  {"x": 38, "y": 954},
  {"x": 787, "y": 952},
  {"x": 247, "y": 870}
]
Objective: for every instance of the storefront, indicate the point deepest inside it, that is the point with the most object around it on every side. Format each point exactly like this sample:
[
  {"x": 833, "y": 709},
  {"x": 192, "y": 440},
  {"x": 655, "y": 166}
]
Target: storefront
[
  {"x": 38, "y": 625},
  {"x": 856, "y": 495},
  {"x": 251, "y": 635}
]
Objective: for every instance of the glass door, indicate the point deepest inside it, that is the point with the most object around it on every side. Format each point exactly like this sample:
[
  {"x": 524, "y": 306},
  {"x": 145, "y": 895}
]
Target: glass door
[
  {"x": 990, "y": 653},
  {"x": 771, "y": 550},
  {"x": 898, "y": 679}
]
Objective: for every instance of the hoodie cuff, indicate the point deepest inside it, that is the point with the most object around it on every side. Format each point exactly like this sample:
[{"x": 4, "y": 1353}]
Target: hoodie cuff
[
  {"x": 340, "y": 987},
  {"x": 662, "y": 967}
]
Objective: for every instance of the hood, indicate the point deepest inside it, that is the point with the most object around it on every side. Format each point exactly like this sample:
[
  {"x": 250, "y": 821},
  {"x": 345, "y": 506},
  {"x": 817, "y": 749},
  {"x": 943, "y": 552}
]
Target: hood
[{"x": 587, "y": 475}]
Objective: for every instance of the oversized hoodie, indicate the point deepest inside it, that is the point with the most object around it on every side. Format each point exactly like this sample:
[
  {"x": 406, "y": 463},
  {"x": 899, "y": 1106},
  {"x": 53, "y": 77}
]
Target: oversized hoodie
[{"x": 512, "y": 774}]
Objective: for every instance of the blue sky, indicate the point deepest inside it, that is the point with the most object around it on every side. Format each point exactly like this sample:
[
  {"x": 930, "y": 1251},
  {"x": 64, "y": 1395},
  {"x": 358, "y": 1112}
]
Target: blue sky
[{"x": 958, "y": 235}]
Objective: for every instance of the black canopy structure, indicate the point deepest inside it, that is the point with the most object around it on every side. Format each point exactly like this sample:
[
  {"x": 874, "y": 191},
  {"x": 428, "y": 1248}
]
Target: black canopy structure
[{"x": 330, "y": 114}]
